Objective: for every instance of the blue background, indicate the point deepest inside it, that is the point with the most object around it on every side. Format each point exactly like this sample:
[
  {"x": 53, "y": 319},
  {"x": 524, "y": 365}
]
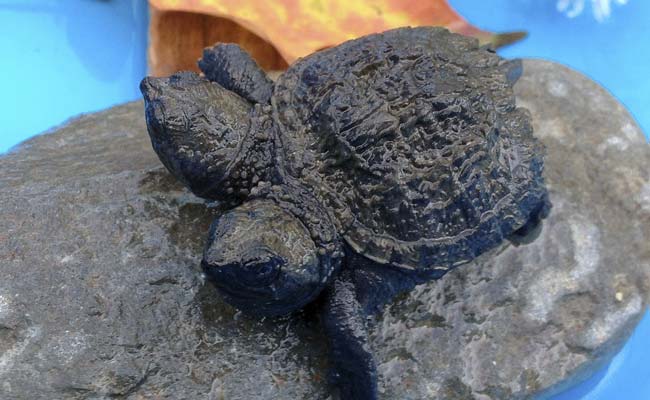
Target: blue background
[
  {"x": 62, "y": 58},
  {"x": 59, "y": 58}
]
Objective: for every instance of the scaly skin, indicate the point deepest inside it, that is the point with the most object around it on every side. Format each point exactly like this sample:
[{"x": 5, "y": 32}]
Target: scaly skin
[{"x": 366, "y": 169}]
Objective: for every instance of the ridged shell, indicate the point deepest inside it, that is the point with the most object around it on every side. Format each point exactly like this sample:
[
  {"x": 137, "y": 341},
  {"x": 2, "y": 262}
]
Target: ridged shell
[{"x": 412, "y": 140}]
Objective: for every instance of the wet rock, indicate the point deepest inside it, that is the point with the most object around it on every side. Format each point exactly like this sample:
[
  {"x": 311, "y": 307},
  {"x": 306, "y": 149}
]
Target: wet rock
[
  {"x": 538, "y": 317},
  {"x": 102, "y": 296}
]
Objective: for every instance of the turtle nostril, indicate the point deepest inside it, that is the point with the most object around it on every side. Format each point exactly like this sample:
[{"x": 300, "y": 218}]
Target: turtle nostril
[{"x": 150, "y": 87}]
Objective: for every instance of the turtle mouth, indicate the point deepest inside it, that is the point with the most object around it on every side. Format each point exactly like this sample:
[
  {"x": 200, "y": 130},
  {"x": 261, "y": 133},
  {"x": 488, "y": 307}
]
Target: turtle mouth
[
  {"x": 261, "y": 288},
  {"x": 154, "y": 107}
]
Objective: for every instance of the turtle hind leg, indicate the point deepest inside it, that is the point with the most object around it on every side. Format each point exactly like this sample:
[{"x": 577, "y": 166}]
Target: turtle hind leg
[
  {"x": 533, "y": 227},
  {"x": 352, "y": 366},
  {"x": 231, "y": 67}
]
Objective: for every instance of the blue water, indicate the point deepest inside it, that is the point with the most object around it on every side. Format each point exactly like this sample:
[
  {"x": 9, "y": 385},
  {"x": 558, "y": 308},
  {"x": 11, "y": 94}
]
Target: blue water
[{"x": 62, "y": 58}]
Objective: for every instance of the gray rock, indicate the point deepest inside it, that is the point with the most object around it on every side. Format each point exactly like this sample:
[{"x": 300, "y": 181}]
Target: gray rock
[{"x": 101, "y": 293}]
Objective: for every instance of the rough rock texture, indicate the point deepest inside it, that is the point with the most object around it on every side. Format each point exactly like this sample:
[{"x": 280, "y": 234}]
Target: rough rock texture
[{"x": 101, "y": 294}]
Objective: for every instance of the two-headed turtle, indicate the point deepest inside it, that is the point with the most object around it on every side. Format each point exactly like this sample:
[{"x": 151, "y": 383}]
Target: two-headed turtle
[{"x": 365, "y": 169}]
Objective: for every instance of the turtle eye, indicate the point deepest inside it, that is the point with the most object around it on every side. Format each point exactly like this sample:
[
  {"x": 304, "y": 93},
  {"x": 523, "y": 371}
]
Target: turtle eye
[{"x": 262, "y": 270}]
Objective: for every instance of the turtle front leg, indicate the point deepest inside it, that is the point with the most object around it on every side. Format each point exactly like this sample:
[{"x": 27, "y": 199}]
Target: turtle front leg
[
  {"x": 233, "y": 68},
  {"x": 352, "y": 365}
]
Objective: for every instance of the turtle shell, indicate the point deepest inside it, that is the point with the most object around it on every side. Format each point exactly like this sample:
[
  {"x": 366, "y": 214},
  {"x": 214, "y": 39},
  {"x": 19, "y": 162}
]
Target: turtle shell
[{"x": 412, "y": 141}]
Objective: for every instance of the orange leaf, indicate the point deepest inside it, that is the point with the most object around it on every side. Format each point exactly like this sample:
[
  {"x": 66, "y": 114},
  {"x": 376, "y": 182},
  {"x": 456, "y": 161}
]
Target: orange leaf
[{"x": 297, "y": 28}]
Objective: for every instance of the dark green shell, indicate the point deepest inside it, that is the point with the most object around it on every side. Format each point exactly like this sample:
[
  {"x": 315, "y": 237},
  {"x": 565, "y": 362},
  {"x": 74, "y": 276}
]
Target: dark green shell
[{"x": 413, "y": 142}]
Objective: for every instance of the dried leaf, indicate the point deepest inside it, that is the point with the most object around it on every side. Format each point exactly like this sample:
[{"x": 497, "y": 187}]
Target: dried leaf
[{"x": 297, "y": 28}]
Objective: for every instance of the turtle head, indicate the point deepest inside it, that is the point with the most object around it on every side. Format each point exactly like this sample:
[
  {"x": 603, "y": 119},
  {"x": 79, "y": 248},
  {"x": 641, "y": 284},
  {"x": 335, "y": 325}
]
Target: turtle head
[
  {"x": 264, "y": 261},
  {"x": 197, "y": 128}
]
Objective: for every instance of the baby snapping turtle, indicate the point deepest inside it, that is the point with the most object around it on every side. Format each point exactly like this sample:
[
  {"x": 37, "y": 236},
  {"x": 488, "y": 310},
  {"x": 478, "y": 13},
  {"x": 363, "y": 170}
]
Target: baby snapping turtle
[{"x": 365, "y": 169}]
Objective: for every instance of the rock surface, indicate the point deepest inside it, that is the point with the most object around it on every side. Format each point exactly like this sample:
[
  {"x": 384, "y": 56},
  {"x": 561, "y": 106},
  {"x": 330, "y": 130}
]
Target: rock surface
[{"x": 101, "y": 293}]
